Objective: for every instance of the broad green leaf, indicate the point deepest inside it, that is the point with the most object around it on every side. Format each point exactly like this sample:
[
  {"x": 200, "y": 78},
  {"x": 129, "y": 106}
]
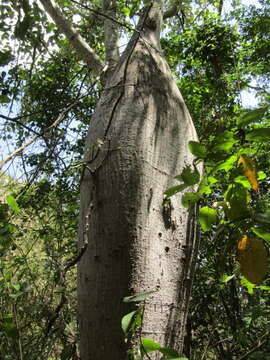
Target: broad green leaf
[
  {"x": 224, "y": 141},
  {"x": 127, "y": 320},
  {"x": 138, "y": 297},
  {"x": 12, "y": 203},
  {"x": 207, "y": 217},
  {"x": 262, "y": 234},
  {"x": 228, "y": 164},
  {"x": 206, "y": 184},
  {"x": 174, "y": 190},
  {"x": 189, "y": 199},
  {"x": 262, "y": 134},
  {"x": 250, "y": 287},
  {"x": 168, "y": 352},
  {"x": 148, "y": 345},
  {"x": 197, "y": 149},
  {"x": 241, "y": 179},
  {"x": 16, "y": 286},
  {"x": 261, "y": 175},
  {"x": 254, "y": 115},
  {"x": 237, "y": 197},
  {"x": 188, "y": 176}
]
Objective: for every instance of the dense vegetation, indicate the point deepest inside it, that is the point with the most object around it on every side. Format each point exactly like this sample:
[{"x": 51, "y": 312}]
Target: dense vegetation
[{"x": 48, "y": 95}]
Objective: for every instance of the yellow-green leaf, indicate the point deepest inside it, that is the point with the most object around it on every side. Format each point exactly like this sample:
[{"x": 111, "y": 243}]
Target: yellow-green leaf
[{"x": 249, "y": 170}]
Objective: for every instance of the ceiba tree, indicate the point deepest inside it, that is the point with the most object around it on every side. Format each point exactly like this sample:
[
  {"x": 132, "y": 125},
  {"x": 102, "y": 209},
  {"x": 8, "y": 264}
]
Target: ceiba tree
[{"x": 136, "y": 144}]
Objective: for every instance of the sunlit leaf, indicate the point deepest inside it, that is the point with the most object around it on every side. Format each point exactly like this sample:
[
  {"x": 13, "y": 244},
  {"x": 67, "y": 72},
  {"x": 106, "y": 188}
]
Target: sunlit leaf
[
  {"x": 12, "y": 203},
  {"x": 127, "y": 320},
  {"x": 207, "y": 217},
  {"x": 189, "y": 199},
  {"x": 228, "y": 164},
  {"x": 250, "y": 286},
  {"x": 226, "y": 278},
  {"x": 253, "y": 259},
  {"x": 261, "y": 233},
  {"x": 248, "y": 168},
  {"x": 197, "y": 149},
  {"x": 149, "y": 345}
]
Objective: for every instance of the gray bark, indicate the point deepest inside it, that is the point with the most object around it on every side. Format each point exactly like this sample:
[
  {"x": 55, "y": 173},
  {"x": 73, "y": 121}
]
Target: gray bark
[
  {"x": 137, "y": 142},
  {"x": 79, "y": 44}
]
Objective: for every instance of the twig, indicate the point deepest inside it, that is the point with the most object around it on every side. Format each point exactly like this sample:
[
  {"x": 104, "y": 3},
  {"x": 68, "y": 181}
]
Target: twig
[
  {"x": 60, "y": 118},
  {"x": 17, "y": 118},
  {"x": 256, "y": 347},
  {"x": 97, "y": 12}
]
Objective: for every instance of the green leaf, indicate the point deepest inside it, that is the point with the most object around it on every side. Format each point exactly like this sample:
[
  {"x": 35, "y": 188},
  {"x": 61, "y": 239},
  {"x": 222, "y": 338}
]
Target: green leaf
[
  {"x": 261, "y": 175},
  {"x": 174, "y": 190},
  {"x": 228, "y": 164},
  {"x": 250, "y": 287},
  {"x": 138, "y": 297},
  {"x": 263, "y": 287},
  {"x": 127, "y": 320},
  {"x": 263, "y": 218},
  {"x": 197, "y": 149},
  {"x": 189, "y": 199},
  {"x": 188, "y": 176},
  {"x": 262, "y": 234},
  {"x": 207, "y": 217},
  {"x": 226, "y": 278},
  {"x": 237, "y": 196},
  {"x": 168, "y": 352},
  {"x": 254, "y": 115},
  {"x": 262, "y": 134},
  {"x": 12, "y": 203},
  {"x": 148, "y": 345},
  {"x": 224, "y": 141},
  {"x": 243, "y": 181}
]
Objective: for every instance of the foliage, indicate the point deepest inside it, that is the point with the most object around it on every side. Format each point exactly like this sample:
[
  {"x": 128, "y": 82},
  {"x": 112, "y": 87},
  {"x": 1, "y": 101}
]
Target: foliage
[
  {"x": 214, "y": 59},
  {"x": 131, "y": 326}
]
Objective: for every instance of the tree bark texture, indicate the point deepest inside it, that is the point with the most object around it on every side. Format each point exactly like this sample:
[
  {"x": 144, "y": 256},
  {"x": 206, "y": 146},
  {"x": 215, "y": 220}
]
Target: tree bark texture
[{"x": 137, "y": 142}]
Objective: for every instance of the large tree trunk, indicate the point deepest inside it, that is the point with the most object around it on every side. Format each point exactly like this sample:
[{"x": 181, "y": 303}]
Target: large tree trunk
[{"x": 137, "y": 143}]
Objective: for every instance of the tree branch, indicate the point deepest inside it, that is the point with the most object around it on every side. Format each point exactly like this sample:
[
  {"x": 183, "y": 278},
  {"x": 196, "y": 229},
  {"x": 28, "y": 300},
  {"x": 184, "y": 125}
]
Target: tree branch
[
  {"x": 59, "y": 119},
  {"x": 111, "y": 33},
  {"x": 75, "y": 39}
]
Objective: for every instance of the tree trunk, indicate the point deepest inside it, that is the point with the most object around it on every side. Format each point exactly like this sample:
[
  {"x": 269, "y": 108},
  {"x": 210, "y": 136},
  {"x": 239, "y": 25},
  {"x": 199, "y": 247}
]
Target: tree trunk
[{"x": 136, "y": 144}]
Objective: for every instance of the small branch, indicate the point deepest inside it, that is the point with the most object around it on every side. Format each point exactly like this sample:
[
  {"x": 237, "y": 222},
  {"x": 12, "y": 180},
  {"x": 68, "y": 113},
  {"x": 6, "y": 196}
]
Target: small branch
[
  {"x": 31, "y": 141},
  {"x": 101, "y": 14},
  {"x": 75, "y": 39},
  {"x": 261, "y": 342},
  {"x": 16, "y": 120}
]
